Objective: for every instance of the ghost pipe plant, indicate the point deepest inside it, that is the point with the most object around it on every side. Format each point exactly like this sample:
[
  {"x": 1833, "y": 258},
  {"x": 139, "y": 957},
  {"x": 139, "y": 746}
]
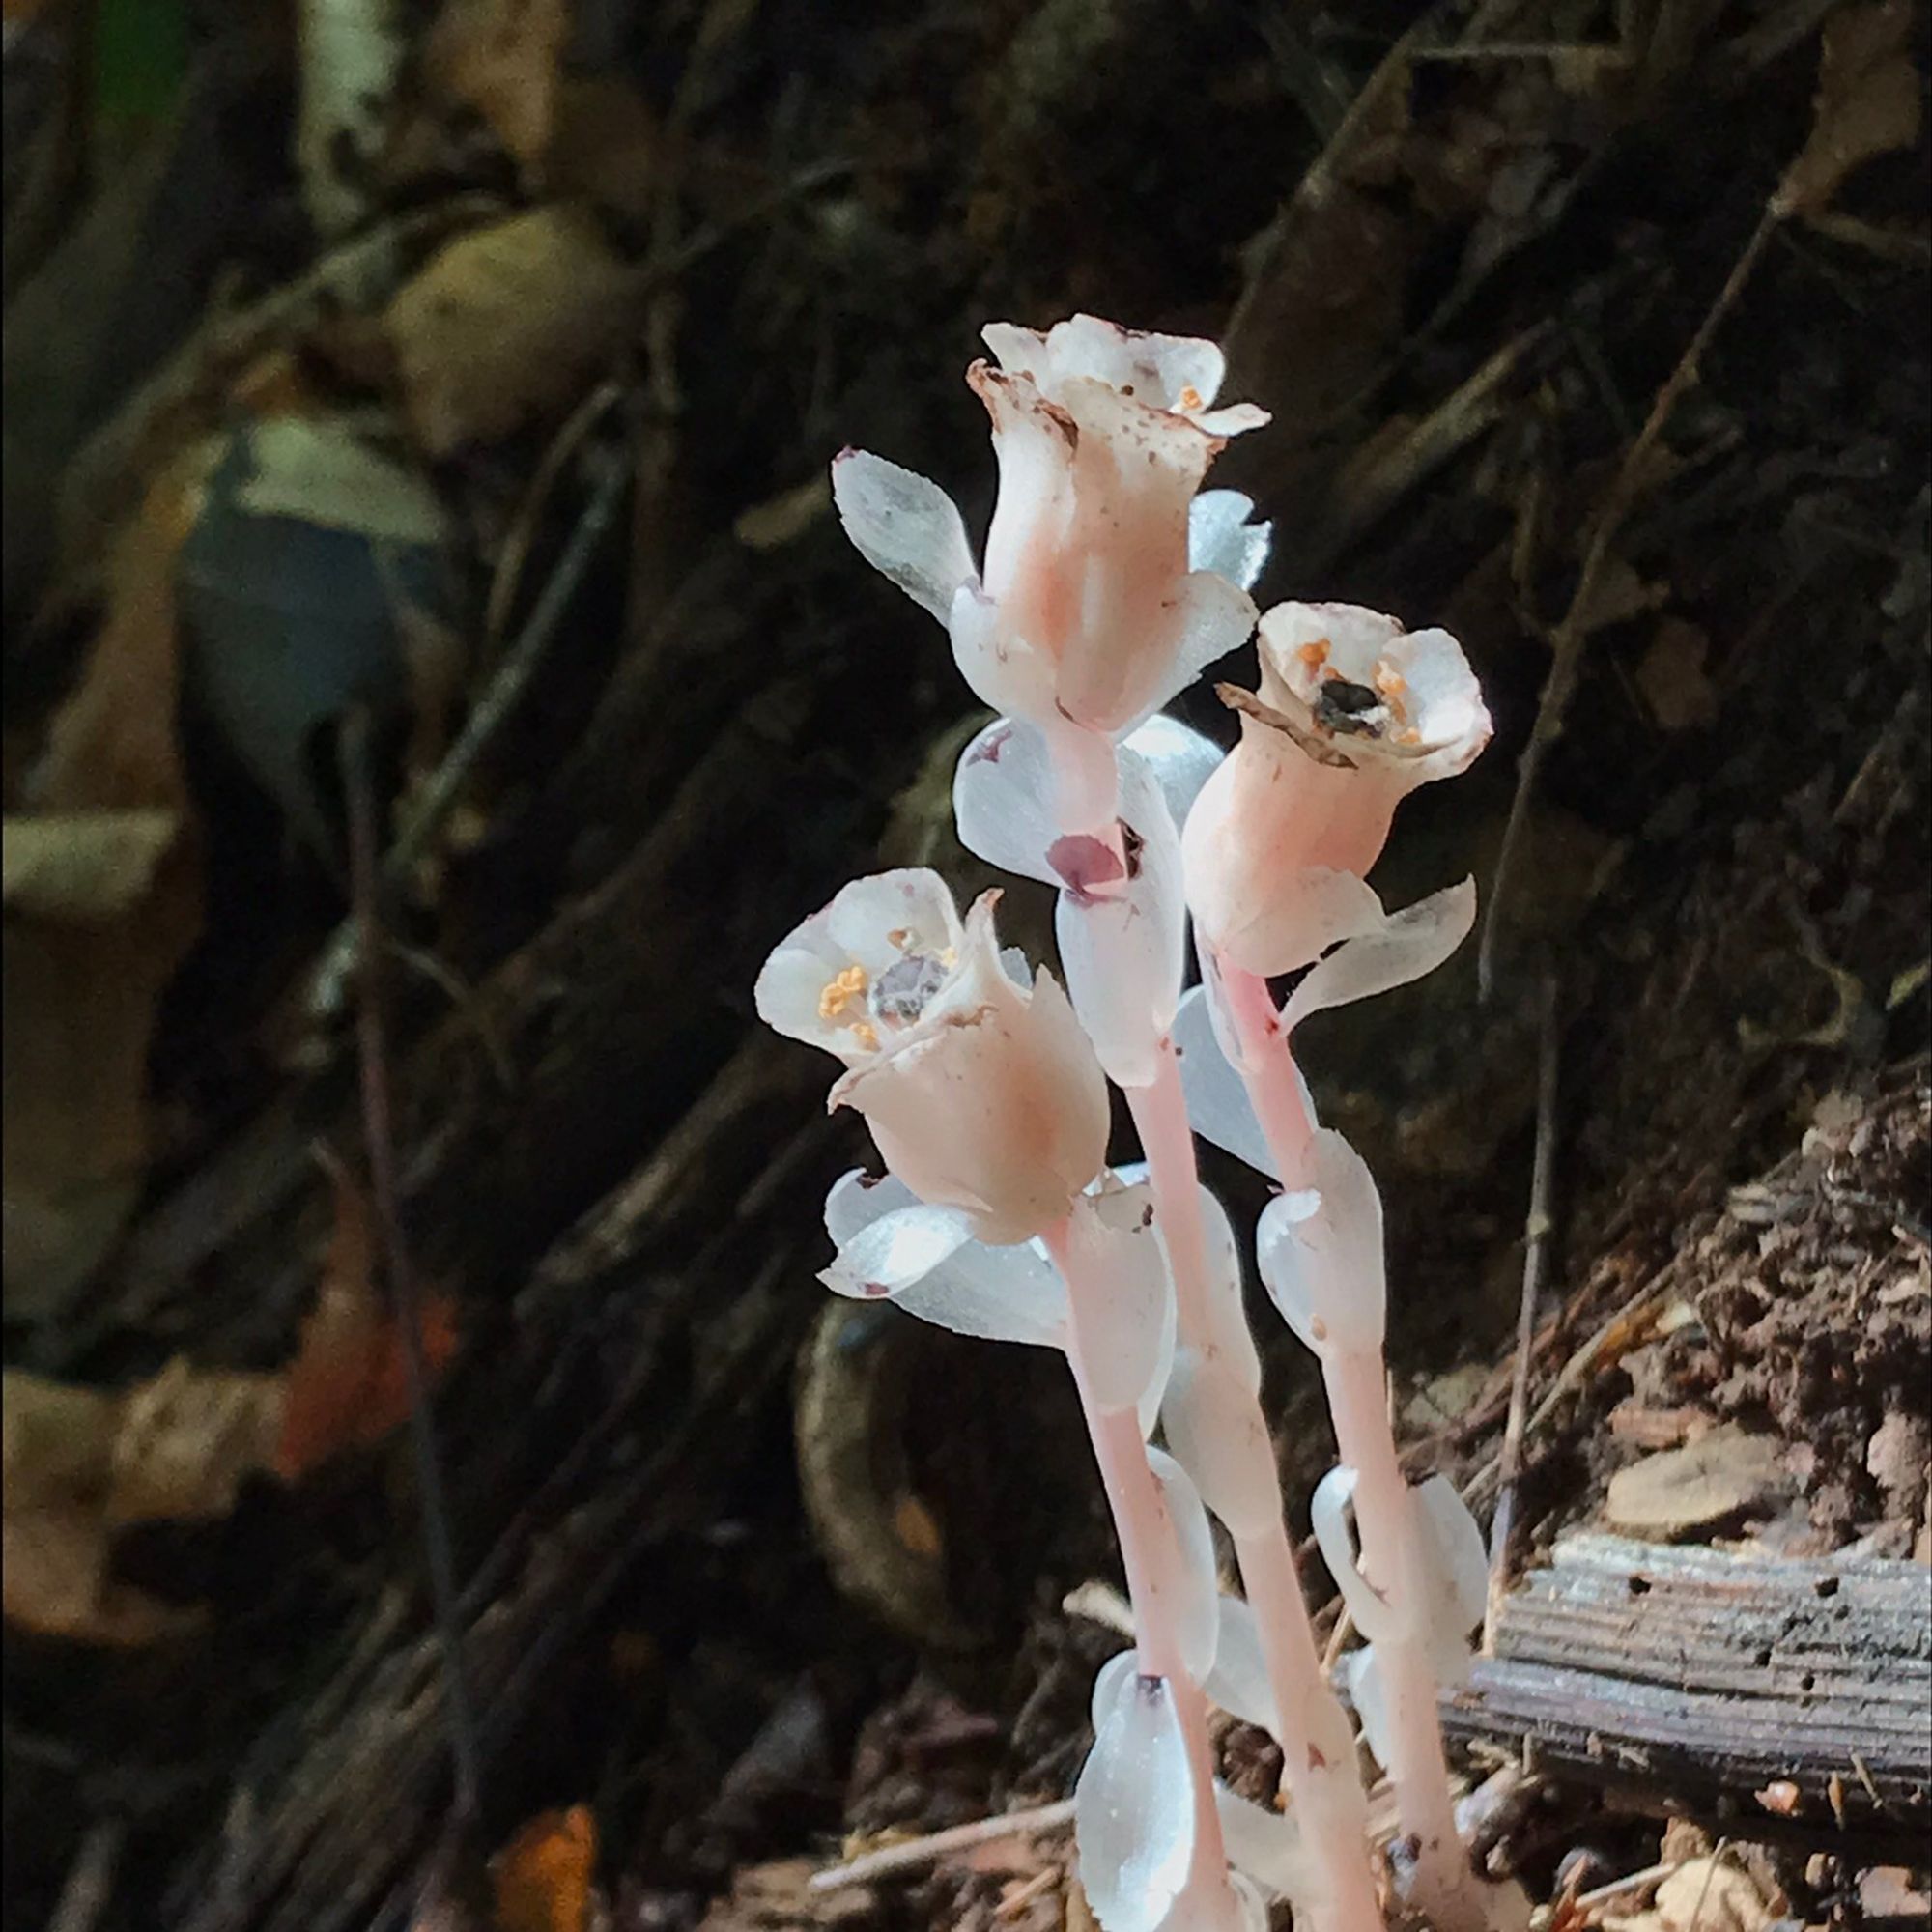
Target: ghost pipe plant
[
  {"x": 1353, "y": 714},
  {"x": 1108, "y": 583},
  {"x": 990, "y": 1111}
]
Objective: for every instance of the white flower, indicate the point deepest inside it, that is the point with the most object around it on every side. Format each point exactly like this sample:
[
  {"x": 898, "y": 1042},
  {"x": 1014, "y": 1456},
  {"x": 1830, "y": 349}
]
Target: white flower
[
  {"x": 1353, "y": 713},
  {"x": 1090, "y": 609},
  {"x": 981, "y": 1092}
]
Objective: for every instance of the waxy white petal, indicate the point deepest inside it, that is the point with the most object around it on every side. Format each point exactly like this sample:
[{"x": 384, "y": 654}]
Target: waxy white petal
[
  {"x": 1182, "y": 760},
  {"x": 1002, "y": 798},
  {"x": 1319, "y": 1250},
  {"x": 1195, "y": 1614},
  {"x": 1331, "y": 1513},
  {"x": 1220, "y": 537},
  {"x": 1403, "y": 947},
  {"x": 905, "y": 526},
  {"x": 1004, "y": 1294},
  {"x": 1215, "y": 1431},
  {"x": 1219, "y": 1106},
  {"x": 1240, "y": 1682},
  {"x": 1266, "y": 1846},
  {"x": 1133, "y": 1815},
  {"x": 1126, "y": 1361},
  {"x": 1361, "y": 1672}
]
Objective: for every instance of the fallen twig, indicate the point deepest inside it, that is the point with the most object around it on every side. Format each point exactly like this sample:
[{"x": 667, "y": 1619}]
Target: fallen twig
[
  {"x": 890, "y": 1860},
  {"x": 1573, "y": 629},
  {"x": 378, "y": 1137},
  {"x": 1535, "y": 1260}
]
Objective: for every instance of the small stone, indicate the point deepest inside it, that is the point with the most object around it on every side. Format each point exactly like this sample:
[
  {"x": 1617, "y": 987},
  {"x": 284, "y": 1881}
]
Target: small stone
[
  {"x": 1728, "y": 1471},
  {"x": 1898, "y": 1454}
]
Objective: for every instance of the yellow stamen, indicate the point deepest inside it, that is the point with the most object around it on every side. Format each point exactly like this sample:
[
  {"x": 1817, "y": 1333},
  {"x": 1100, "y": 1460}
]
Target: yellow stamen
[
  {"x": 1316, "y": 654},
  {"x": 900, "y": 936},
  {"x": 1390, "y": 681},
  {"x": 1190, "y": 397},
  {"x": 866, "y": 1034},
  {"x": 841, "y": 990}
]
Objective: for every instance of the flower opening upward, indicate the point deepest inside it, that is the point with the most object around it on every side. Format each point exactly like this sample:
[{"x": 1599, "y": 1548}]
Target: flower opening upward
[
  {"x": 1353, "y": 713},
  {"x": 1087, "y": 610},
  {"x": 980, "y": 1089}
]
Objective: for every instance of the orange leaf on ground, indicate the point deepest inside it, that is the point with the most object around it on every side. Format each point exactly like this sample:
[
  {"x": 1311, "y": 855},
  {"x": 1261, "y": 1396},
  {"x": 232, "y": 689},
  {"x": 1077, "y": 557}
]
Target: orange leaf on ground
[
  {"x": 541, "y": 1878},
  {"x": 348, "y": 1386}
]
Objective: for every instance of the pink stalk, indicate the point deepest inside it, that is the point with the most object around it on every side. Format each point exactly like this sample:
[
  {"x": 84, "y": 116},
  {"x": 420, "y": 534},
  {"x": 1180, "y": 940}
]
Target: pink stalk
[
  {"x": 1151, "y": 1554},
  {"x": 1330, "y": 1803},
  {"x": 1329, "y": 1800},
  {"x": 1386, "y": 1522}
]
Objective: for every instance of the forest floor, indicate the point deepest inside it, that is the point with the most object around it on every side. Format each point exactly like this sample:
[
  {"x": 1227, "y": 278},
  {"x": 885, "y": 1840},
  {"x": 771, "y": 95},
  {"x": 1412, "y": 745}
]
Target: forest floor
[{"x": 416, "y": 507}]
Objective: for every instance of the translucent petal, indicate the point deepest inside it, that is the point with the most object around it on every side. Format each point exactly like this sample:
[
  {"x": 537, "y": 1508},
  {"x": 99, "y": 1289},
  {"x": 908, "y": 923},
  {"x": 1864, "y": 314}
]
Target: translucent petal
[
  {"x": 1215, "y": 618},
  {"x": 1196, "y": 1613},
  {"x": 1004, "y": 1294},
  {"x": 1264, "y": 1845},
  {"x": 1251, "y": 1903},
  {"x": 1160, "y": 369},
  {"x": 1215, "y": 1431},
  {"x": 1125, "y": 954},
  {"x": 1227, "y": 1330},
  {"x": 1182, "y": 759},
  {"x": 1128, "y": 1353},
  {"x": 1319, "y": 1250},
  {"x": 1361, "y": 1672},
  {"x": 1002, "y": 798},
  {"x": 1454, "y": 1583},
  {"x": 1133, "y": 1808},
  {"x": 1133, "y": 1175},
  {"x": 905, "y": 527},
  {"x": 1331, "y": 1514},
  {"x": 1220, "y": 537},
  {"x": 897, "y": 1250},
  {"x": 1240, "y": 1682},
  {"x": 1306, "y": 913},
  {"x": 1406, "y": 945},
  {"x": 912, "y": 901},
  {"x": 1217, "y": 1099},
  {"x": 1004, "y": 671},
  {"x": 1107, "y": 1682}
]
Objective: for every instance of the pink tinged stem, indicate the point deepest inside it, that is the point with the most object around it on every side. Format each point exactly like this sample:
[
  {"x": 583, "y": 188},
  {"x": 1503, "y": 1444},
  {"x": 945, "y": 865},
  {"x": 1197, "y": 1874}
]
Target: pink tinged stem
[
  {"x": 1151, "y": 1554},
  {"x": 1325, "y": 1785},
  {"x": 1386, "y": 1522},
  {"x": 1267, "y": 1068}
]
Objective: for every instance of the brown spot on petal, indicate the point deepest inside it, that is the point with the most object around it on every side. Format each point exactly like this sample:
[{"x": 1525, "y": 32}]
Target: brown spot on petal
[
  {"x": 988, "y": 753},
  {"x": 1132, "y": 845}
]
